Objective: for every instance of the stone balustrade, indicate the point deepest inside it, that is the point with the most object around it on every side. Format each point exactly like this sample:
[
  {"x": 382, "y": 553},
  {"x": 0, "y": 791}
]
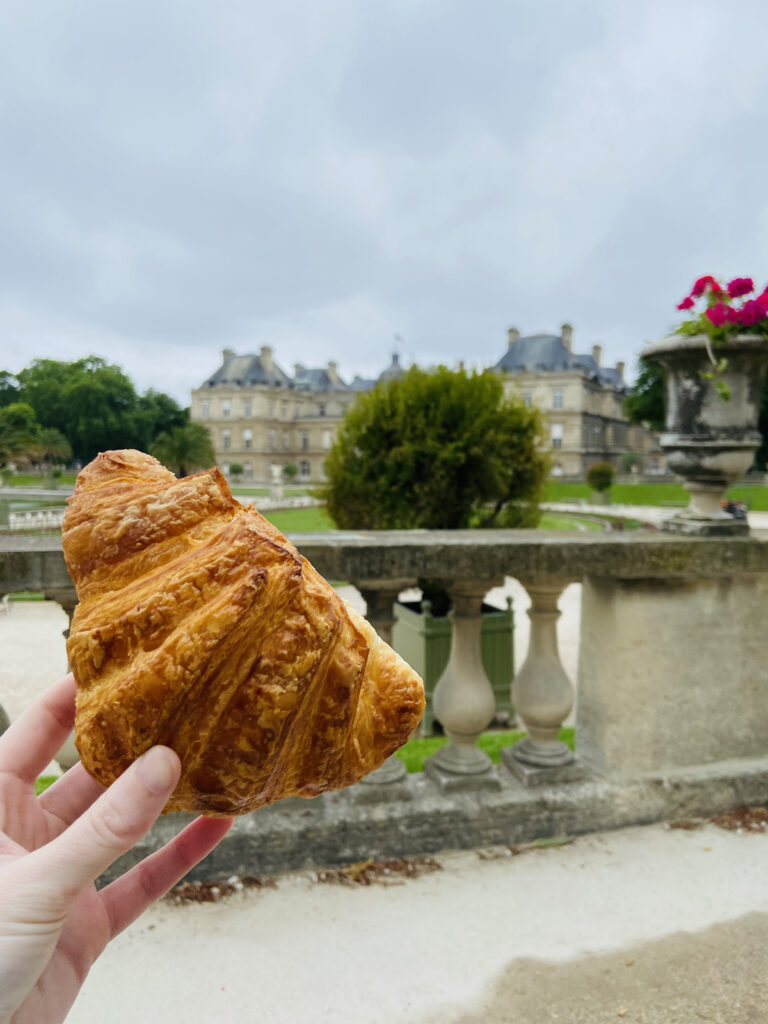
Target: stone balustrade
[
  {"x": 37, "y": 519},
  {"x": 671, "y": 710}
]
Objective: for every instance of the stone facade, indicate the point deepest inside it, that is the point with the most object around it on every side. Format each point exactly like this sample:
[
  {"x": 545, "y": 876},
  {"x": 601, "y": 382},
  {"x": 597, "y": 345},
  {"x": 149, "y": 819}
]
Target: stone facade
[
  {"x": 581, "y": 400},
  {"x": 259, "y": 416}
]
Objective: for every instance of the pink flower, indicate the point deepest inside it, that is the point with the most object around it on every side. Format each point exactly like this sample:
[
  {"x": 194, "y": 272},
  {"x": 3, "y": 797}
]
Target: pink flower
[
  {"x": 753, "y": 311},
  {"x": 701, "y": 285},
  {"x": 686, "y": 303},
  {"x": 740, "y": 286},
  {"x": 720, "y": 314}
]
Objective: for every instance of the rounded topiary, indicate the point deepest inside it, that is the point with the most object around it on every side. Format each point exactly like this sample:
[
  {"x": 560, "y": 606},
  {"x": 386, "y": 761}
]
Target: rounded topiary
[{"x": 600, "y": 477}]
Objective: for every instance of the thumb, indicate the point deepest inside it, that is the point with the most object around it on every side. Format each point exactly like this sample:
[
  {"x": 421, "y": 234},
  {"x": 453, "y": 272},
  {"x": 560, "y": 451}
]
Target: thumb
[{"x": 113, "y": 824}]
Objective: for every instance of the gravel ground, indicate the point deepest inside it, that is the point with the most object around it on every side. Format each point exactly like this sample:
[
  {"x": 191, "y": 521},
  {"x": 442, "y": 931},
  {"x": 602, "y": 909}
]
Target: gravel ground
[{"x": 646, "y": 925}]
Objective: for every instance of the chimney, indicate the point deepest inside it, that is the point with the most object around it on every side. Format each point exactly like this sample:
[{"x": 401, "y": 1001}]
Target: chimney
[
  {"x": 333, "y": 372},
  {"x": 512, "y": 335},
  {"x": 620, "y": 370},
  {"x": 597, "y": 353},
  {"x": 266, "y": 358},
  {"x": 566, "y": 336},
  {"x": 297, "y": 369},
  {"x": 227, "y": 353}
]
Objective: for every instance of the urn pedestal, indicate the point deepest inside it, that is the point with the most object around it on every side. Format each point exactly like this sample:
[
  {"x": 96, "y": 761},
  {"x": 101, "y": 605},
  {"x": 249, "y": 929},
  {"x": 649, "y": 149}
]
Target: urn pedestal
[{"x": 710, "y": 440}]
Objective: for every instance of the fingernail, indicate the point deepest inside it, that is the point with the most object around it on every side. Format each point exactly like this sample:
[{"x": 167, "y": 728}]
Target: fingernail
[{"x": 158, "y": 769}]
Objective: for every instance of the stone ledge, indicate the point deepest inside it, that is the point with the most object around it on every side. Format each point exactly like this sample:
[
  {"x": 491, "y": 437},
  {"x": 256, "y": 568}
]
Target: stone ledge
[
  {"x": 336, "y": 829},
  {"x": 371, "y": 557}
]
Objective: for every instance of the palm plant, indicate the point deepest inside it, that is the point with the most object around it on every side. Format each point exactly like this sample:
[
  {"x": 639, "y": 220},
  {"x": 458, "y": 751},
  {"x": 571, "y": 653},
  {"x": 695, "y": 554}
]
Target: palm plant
[{"x": 184, "y": 449}]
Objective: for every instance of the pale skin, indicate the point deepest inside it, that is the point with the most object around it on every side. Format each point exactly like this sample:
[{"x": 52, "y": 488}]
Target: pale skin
[{"x": 53, "y": 922}]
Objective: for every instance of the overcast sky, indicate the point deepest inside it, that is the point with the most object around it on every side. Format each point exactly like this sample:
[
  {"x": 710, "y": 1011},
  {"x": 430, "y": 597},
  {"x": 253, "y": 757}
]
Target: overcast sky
[{"x": 321, "y": 176}]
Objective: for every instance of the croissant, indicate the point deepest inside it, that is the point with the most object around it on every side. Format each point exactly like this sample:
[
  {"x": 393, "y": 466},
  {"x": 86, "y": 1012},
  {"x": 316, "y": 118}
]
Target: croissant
[{"x": 201, "y": 627}]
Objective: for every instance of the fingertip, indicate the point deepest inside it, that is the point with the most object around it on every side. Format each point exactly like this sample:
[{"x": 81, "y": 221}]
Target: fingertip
[{"x": 159, "y": 769}]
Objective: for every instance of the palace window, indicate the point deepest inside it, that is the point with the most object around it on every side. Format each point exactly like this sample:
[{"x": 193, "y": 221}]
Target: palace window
[
  {"x": 248, "y": 439},
  {"x": 286, "y": 439},
  {"x": 225, "y": 408},
  {"x": 527, "y": 399},
  {"x": 304, "y": 469},
  {"x": 557, "y": 398},
  {"x": 226, "y": 439},
  {"x": 304, "y": 441},
  {"x": 557, "y": 435},
  {"x": 247, "y": 409},
  {"x": 272, "y": 440},
  {"x": 206, "y": 410},
  {"x": 327, "y": 440}
]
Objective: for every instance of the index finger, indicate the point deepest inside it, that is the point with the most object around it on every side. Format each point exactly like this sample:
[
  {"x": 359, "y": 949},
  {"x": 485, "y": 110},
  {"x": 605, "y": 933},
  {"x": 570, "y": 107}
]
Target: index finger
[{"x": 37, "y": 735}]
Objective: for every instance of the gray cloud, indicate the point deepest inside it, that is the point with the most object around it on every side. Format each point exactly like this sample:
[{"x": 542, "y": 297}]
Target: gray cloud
[{"x": 179, "y": 177}]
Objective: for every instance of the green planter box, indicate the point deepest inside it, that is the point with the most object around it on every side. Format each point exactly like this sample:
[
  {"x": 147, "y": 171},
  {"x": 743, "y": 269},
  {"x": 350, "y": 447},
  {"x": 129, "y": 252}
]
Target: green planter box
[{"x": 424, "y": 641}]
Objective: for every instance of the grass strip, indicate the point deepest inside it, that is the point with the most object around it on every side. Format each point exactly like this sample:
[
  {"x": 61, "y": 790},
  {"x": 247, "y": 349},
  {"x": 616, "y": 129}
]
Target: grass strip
[{"x": 416, "y": 751}]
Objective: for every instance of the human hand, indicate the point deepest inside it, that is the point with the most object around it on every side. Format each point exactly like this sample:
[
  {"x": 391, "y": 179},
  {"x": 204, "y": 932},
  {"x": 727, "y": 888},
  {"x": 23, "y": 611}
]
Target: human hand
[{"x": 53, "y": 922}]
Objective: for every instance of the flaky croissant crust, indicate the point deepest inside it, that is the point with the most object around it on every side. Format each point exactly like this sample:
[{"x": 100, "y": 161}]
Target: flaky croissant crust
[{"x": 201, "y": 627}]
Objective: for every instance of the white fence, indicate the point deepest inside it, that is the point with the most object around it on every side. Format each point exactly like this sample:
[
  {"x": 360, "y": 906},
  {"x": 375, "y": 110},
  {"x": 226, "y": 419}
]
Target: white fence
[{"x": 37, "y": 519}]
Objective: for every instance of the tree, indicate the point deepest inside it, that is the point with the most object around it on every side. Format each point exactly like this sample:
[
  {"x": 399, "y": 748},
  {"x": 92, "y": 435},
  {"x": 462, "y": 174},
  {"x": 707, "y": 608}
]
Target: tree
[
  {"x": 185, "y": 449},
  {"x": 645, "y": 403},
  {"x": 629, "y": 461},
  {"x": 95, "y": 405},
  {"x": 290, "y": 471},
  {"x": 155, "y": 413},
  {"x": 236, "y": 470},
  {"x": 600, "y": 477},
  {"x": 9, "y": 388},
  {"x": 436, "y": 450},
  {"x": 54, "y": 447},
  {"x": 19, "y": 433}
]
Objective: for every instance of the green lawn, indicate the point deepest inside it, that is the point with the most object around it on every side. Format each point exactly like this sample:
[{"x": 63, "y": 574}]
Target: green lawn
[
  {"x": 317, "y": 520},
  {"x": 415, "y": 752},
  {"x": 301, "y": 520},
  {"x": 32, "y": 480},
  {"x": 755, "y": 497},
  {"x": 263, "y": 492}
]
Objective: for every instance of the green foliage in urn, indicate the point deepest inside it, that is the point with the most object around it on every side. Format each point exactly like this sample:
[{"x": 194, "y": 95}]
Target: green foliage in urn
[
  {"x": 600, "y": 477},
  {"x": 290, "y": 471},
  {"x": 437, "y": 450}
]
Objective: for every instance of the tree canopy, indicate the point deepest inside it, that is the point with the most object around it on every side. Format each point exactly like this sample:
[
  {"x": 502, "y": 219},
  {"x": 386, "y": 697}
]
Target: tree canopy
[
  {"x": 23, "y": 439},
  {"x": 92, "y": 403},
  {"x": 185, "y": 449},
  {"x": 645, "y": 403},
  {"x": 436, "y": 449}
]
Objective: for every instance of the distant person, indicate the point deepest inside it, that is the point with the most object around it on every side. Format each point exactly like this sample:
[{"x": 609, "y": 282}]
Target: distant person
[{"x": 53, "y": 922}]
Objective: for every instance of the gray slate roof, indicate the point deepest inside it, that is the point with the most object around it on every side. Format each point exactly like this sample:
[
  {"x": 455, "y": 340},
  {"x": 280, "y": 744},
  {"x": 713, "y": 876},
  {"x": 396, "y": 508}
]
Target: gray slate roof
[
  {"x": 309, "y": 379},
  {"x": 538, "y": 352},
  {"x": 245, "y": 370}
]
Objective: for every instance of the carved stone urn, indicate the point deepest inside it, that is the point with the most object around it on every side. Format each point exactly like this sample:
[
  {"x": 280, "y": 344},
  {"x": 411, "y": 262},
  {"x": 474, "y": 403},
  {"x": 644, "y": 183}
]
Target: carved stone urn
[{"x": 710, "y": 440}]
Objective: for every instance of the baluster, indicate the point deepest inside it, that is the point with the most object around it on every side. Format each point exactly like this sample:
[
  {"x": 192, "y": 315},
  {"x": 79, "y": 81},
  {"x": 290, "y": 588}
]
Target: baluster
[
  {"x": 464, "y": 703},
  {"x": 379, "y": 603},
  {"x": 542, "y": 694}
]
